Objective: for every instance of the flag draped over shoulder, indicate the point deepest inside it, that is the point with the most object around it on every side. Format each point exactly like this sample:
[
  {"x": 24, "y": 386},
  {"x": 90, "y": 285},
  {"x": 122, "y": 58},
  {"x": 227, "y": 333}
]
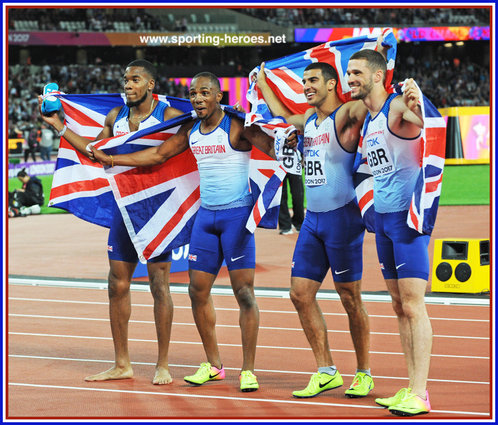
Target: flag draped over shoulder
[
  {"x": 284, "y": 76},
  {"x": 425, "y": 198},
  {"x": 158, "y": 204}
]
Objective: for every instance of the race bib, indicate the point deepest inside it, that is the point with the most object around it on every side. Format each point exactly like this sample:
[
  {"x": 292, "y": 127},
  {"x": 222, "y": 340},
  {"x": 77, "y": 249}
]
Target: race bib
[
  {"x": 314, "y": 167},
  {"x": 378, "y": 156}
]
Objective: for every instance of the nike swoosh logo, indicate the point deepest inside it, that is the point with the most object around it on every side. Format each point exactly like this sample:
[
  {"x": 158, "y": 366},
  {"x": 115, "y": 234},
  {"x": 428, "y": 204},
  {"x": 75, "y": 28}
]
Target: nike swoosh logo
[
  {"x": 401, "y": 265},
  {"x": 326, "y": 383},
  {"x": 341, "y": 272},
  {"x": 211, "y": 376},
  {"x": 238, "y": 258}
]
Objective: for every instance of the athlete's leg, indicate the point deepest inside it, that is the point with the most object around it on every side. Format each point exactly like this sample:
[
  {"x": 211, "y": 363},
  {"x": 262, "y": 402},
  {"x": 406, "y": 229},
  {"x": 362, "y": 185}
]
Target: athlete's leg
[
  {"x": 163, "y": 317},
  {"x": 303, "y": 295},
  {"x": 242, "y": 281},
  {"x": 417, "y": 332},
  {"x": 359, "y": 323},
  {"x": 120, "y": 275},
  {"x": 204, "y": 314}
]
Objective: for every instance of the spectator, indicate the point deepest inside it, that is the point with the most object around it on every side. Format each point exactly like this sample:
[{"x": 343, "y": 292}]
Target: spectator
[{"x": 46, "y": 142}]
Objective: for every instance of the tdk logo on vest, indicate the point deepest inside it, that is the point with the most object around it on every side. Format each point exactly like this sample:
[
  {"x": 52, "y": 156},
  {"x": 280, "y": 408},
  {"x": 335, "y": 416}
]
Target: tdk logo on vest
[
  {"x": 312, "y": 153},
  {"x": 372, "y": 142}
]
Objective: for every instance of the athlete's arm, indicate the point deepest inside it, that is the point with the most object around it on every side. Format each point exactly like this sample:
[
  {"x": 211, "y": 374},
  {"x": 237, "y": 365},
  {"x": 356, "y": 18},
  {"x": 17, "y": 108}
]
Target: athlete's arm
[
  {"x": 155, "y": 155},
  {"x": 277, "y": 108},
  {"x": 405, "y": 114},
  {"x": 75, "y": 140}
]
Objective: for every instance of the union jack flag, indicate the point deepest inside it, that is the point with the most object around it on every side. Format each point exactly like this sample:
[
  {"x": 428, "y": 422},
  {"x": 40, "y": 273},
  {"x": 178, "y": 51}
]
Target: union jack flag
[{"x": 158, "y": 204}]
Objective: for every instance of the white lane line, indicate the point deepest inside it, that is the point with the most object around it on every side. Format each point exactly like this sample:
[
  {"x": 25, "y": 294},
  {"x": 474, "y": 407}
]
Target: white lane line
[
  {"x": 273, "y": 293},
  {"x": 217, "y": 397},
  {"x": 296, "y": 372},
  {"x": 105, "y": 303},
  {"x": 218, "y": 325},
  {"x": 272, "y": 347}
]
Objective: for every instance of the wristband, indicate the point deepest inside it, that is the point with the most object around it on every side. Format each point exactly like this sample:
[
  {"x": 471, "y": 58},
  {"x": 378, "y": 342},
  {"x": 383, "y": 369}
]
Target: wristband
[
  {"x": 62, "y": 132},
  {"x": 112, "y": 161}
]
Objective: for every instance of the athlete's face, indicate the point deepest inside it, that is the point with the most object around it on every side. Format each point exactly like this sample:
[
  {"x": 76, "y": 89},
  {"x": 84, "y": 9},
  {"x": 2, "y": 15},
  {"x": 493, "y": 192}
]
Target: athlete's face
[
  {"x": 360, "y": 79},
  {"x": 138, "y": 84},
  {"x": 205, "y": 97},
  {"x": 316, "y": 89}
]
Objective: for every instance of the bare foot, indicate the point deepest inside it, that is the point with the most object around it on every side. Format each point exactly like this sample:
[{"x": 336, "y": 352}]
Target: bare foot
[
  {"x": 113, "y": 373},
  {"x": 162, "y": 377}
]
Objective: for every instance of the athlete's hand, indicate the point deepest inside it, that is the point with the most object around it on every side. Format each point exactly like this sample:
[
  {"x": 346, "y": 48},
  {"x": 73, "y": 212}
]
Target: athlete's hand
[
  {"x": 99, "y": 156},
  {"x": 291, "y": 139},
  {"x": 260, "y": 77},
  {"x": 238, "y": 107},
  {"x": 411, "y": 95},
  {"x": 52, "y": 119}
]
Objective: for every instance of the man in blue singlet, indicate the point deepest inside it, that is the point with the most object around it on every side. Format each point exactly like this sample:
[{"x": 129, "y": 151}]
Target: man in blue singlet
[
  {"x": 331, "y": 236},
  {"x": 222, "y": 147},
  {"x": 392, "y": 136},
  {"x": 141, "y": 111}
]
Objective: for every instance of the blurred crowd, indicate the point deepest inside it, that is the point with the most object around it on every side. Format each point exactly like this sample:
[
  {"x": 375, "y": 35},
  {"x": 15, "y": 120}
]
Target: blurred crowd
[
  {"x": 319, "y": 16},
  {"x": 93, "y": 19}
]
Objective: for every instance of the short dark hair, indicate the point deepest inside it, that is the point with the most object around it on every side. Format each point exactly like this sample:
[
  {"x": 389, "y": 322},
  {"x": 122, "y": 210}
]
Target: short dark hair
[
  {"x": 213, "y": 78},
  {"x": 375, "y": 60},
  {"x": 328, "y": 71},
  {"x": 22, "y": 173},
  {"x": 149, "y": 68}
]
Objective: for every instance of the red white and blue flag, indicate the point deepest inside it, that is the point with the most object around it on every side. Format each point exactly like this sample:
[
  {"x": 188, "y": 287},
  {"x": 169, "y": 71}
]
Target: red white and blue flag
[{"x": 158, "y": 204}]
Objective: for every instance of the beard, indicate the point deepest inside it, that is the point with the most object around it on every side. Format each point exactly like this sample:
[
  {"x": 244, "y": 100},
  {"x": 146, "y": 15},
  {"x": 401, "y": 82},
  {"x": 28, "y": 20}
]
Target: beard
[
  {"x": 363, "y": 91},
  {"x": 136, "y": 102}
]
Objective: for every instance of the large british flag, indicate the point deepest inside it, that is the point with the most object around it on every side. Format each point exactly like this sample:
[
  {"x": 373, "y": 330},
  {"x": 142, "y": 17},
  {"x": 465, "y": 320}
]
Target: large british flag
[{"x": 158, "y": 204}]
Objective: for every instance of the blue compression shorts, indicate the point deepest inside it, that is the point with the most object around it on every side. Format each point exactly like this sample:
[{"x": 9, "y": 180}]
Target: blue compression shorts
[
  {"x": 402, "y": 251},
  {"x": 120, "y": 247},
  {"x": 332, "y": 239},
  {"x": 219, "y": 234}
]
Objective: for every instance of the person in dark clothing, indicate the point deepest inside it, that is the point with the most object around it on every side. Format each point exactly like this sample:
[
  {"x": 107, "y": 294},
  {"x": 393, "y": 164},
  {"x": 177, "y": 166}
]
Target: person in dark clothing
[
  {"x": 32, "y": 145},
  {"x": 285, "y": 221},
  {"x": 29, "y": 198}
]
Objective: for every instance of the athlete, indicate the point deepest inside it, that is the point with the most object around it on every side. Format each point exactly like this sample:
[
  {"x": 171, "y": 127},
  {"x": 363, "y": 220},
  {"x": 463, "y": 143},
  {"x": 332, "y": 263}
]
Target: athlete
[
  {"x": 222, "y": 148},
  {"x": 331, "y": 236},
  {"x": 391, "y": 134},
  {"x": 141, "y": 111}
]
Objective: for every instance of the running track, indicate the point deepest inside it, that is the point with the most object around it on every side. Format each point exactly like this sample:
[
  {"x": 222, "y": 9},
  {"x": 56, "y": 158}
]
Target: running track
[{"x": 58, "y": 333}]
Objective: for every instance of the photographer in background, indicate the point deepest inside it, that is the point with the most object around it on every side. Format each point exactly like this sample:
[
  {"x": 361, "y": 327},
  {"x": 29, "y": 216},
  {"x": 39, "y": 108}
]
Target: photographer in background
[{"x": 27, "y": 200}]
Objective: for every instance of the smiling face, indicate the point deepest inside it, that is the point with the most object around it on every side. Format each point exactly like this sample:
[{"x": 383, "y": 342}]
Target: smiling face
[
  {"x": 316, "y": 89},
  {"x": 205, "y": 97},
  {"x": 138, "y": 83},
  {"x": 360, "y": 79}
]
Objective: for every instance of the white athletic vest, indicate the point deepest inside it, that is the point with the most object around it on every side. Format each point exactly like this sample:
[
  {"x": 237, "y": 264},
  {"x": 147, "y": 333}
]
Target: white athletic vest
[
  {"x": 394, "y": 162},
  {"x": 223, "y": 171},
  {"x": 328, "y": 167},
  {"x": 121, "y": 125}
]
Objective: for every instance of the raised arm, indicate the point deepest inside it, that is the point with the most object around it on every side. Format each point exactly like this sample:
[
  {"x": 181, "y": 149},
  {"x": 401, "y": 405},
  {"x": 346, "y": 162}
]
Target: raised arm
[
  {"x": 277, "y": 108},
  {"x": 405, "y": 115},
  {"x": 75, "y": 140},
  {"x": 175, "y": 145}
]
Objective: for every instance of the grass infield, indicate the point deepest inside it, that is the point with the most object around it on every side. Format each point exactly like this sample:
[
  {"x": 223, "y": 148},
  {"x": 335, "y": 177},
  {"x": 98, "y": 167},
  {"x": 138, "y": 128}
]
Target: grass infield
[{"x": 462, "y": 185}]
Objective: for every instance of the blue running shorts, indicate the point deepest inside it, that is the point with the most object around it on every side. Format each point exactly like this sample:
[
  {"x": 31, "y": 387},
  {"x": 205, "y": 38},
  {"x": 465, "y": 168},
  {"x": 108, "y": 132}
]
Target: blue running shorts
[
  {"x": 120, "y": 247},
  {"x": 332, "y": 239},
  {"x": 219, "y": 234},
  {"x": 402, "y": 251}
]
